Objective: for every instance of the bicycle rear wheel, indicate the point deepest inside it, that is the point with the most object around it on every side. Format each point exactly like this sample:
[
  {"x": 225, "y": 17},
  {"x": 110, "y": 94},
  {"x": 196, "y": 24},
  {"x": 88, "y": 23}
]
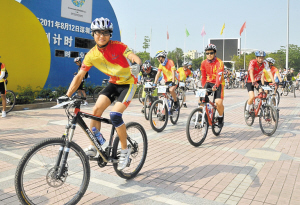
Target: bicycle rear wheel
[
  {"x": 277, "y": 97},
  {"x": 285, "y": 91},
  {"x": 268, "y": 120},
  {"x": 96, "y": 93},
  {"x": 158, "y": 116},
  {"x": 137, "y": 140},
  {"x": 293, "y": 90},
  {"x": 180, "y": 97},
  {"x": 195, "y": 131},
  {"x": 215, "y": 122},
  {"x": 10, "y": 101},
  {"x": 36, "y": 179},
  {"x": 249, "y": 120}
]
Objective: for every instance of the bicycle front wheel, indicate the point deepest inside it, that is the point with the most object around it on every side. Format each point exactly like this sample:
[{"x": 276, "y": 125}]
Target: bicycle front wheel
[
  {"x": 174, "y": 115},
  {"x": 180, "y": 97},
  {"x": 277, "y": 95},
  {"x": 37, "y": 180},
  {"x": 158, "y": 116},
  {"x": 137, "y": 140},
  {"x": 147, "y": 105},
  {"x": 140, "y": 94},
  {"x": 215, "y": 128},
  {"x": 268, "y": 120},
  {"x": 249, "y": 120},
  {"x": 96, "y": 93},
  {"x": 196, "y": 130},
  {"x": 293, "y": 90},
  {"x": 10, "y": 101}
]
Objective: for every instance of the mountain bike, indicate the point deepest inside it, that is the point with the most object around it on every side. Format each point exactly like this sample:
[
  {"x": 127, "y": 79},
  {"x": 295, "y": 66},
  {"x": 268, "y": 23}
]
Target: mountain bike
[
  {"x": 161, "y": 109},
  {"x": 10, "y": 99},
  {"x": 57, "y": 170},
  {"x": 201, "y": 118},
  {"x": 149, "y": 99},
  {"x": 289, "y": 87},
  {"x": 266, "y": 113}
]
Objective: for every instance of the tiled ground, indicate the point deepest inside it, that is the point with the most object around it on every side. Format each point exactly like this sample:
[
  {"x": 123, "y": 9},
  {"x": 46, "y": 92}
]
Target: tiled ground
[{"x": 241, "y": 166}]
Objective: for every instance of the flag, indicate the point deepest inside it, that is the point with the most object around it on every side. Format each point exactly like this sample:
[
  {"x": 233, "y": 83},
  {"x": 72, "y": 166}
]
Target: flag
[
  {"x": 203, "y": 32},
  {"x": 187, "y": 33},
  {"x": 167, "y": 34},
  {"x": 242, "y": 29},
  {"x": 222, "y": 28}
]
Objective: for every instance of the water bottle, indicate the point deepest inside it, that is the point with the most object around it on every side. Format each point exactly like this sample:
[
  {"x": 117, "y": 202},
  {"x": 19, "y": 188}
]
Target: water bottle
[
  {"x": 98, "y": 135},
  {"x": 209, "y": 109}
]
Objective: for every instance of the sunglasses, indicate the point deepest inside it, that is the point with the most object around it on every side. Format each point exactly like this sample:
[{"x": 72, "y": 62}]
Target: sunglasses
[
  {"x": 99, "y": 33},
  {"x": 209, "y": 53}
]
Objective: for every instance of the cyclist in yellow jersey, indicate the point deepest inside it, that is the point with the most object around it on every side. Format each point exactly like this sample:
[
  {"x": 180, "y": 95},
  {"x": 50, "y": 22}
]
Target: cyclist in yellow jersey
[
  {"x": 183, "y": 73},
  {"x": 110, "y": 57},
  {"x": 265, "y": 78},
  {"x": 2, "y": 88},
  {"x": 168, "y": 68}
]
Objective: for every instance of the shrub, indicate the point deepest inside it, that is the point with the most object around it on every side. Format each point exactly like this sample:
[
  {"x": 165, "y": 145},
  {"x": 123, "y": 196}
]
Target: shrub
[{"x": 25, "y": 95}]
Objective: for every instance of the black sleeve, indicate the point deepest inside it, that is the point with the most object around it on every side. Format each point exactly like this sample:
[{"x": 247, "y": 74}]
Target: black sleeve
[{"x": 86, "y": 75}]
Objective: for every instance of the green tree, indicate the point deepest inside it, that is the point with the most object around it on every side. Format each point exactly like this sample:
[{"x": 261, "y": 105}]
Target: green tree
[
  {"x": 177, "y": 56},
  {"x": 239, "y": 61},
  {"x": 143, "y": 56},
  {"x": 196, "y": 63},
  {"x": 146, "y": 43}
]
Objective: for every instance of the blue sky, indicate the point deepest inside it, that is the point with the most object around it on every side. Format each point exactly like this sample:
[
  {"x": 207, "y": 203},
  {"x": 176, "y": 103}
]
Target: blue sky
[{"x": 266, "y": 22}]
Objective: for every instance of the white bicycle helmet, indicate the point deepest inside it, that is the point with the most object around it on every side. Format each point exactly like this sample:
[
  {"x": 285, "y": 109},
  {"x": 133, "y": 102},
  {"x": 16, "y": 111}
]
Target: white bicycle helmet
[
  {"x": 211, "y": 47},
  {"x": 161, "y": 54},
  {"x": 102, "y": 24},
  {"x": 77, "y": 59},
  {"x": 185, "y": 64},
  {"x": 270, "y": 60}
]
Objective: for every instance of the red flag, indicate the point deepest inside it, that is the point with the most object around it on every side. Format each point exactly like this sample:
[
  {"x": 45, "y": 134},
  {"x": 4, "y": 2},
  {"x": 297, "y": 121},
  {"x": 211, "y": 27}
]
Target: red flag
[
  {"x": 203, "y": 32},
  {"x": 242, "y": 29},
  {"x": 167, "y": 35}
]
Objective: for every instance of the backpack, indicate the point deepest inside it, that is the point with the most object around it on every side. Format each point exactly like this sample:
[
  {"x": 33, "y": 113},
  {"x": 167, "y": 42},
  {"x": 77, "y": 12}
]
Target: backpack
[{"x": 6, "y": 73}]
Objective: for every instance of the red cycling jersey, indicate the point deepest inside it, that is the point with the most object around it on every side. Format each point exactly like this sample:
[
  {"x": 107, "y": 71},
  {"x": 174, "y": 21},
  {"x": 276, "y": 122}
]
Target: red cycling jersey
[
  {"x": 212, "y": 72},
  {"x": 257, "y": 69}
]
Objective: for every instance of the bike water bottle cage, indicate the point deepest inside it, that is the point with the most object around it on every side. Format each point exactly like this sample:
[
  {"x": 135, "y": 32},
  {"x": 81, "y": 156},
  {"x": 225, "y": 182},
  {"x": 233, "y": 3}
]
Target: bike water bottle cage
[{"x": 116, "y": 119}]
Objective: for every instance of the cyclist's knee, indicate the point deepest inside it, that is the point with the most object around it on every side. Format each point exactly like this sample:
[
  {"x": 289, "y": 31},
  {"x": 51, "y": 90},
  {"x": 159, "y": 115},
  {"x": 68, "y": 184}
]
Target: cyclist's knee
[{"x": 116, "y": 119}]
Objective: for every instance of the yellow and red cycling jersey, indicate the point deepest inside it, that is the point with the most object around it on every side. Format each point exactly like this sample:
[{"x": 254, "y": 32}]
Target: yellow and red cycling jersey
[
  {"x": 183, "y": 74},
  {"x": 112, "y": 61},
  {"x": 167, "y": 70},
  {"x": 273, "y": 71},
  {"x": 257, "y": 69},
  {"x": 212, "y": 72},
  {"x": 2, "y": 69}
]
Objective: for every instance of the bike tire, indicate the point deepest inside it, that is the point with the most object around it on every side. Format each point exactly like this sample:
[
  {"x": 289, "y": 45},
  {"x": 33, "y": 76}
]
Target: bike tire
[
  {"x": 250, "y": 120},
  {"x": 97, "y": 93},
  {"x": 147, "y": 106},
  {"x": 278, "y": 97},
  {"x": 158, "y": 113},
  {"x": 194, "y": 129},
  {"x": 285, "y": 91},
  {"x": 140, "y": 93},
  {"x": 293, "y": 90},
  {"x": 136, "y": 133},
  {"x": 215, "y": 129},
  {"x": 180, "y": 97},
  {"x": 10, "y": 101},
  {"x": 275, "y": 105},
  {"x": 172, "y": 118},
  {"x": 268, "y": 113},
  {"x": 39, "y": 167}
]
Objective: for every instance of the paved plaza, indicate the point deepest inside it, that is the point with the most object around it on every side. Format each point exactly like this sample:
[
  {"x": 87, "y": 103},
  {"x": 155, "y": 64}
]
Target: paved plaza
[{"x": 241, "y": 166}]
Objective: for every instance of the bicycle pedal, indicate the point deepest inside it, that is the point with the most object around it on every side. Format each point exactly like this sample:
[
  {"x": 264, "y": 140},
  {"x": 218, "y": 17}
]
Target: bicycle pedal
[{"x": 93, "y": 158}]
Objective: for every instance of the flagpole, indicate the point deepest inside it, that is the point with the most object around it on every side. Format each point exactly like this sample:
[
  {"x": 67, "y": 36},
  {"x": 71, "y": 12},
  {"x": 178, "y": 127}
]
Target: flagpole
[
  {"x": 167, "y": 39},
  {"x": 134, "y": 40},
  {"x": 287, "y": 38},
  {"x": 184, "y": 46},
  {"x": 245, "y": 51},
  {"x": 223, "y": 47},
  {"x": 203, "y": 48},
  {"x": 150, "y": 43}
]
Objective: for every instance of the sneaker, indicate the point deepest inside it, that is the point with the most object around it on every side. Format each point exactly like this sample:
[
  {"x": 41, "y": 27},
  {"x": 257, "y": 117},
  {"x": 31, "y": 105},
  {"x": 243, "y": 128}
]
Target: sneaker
[
  {"x": 142, "y": 110},
  {"x": 176, "y": 105},
  {"x": 85, "y": 103},
  {"x": 184, "y": 105},
  {"x": 247, "y": 114},
  {"x": 3, "y": 114},
  {"x": 124, "y": 158},
  {"x": 90, "y": 151}
]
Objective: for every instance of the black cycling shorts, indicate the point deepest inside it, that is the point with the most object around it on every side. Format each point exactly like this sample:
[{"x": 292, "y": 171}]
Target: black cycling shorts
[
  {"x": 81, "y": 86},
  {"x": 267, "y": 83},
  {"x": 219, "y": 93},
  {"x": 123, "y": 93},
  {"x": 250, "y": 87},
  {"x": 2, "y": 88}
]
